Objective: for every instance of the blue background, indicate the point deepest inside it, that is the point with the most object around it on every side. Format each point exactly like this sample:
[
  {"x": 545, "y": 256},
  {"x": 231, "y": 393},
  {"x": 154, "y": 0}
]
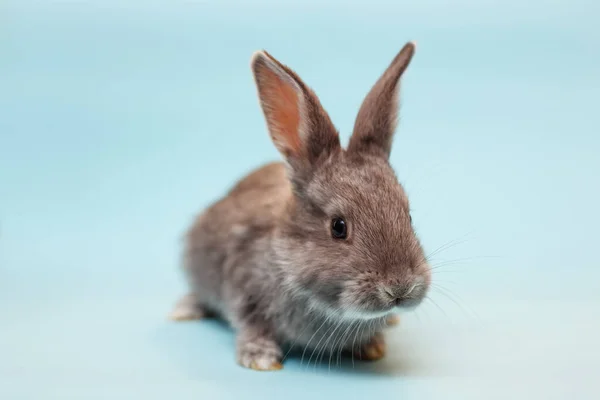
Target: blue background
[{"x": 120, "y": 120}]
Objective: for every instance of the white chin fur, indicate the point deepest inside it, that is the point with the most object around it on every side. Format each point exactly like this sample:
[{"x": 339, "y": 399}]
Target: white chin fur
[
  {"x": 364, "y": 315},
  {"x": 348, "y": 314}
]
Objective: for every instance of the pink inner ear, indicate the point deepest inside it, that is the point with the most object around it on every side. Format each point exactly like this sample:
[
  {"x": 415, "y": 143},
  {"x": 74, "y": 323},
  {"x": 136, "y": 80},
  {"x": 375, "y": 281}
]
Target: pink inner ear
[{"x": 282, "y": 112}]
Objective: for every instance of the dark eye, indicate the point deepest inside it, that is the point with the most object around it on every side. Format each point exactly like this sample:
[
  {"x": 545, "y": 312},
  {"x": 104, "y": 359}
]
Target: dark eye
[{"x": 339, "y": 230}]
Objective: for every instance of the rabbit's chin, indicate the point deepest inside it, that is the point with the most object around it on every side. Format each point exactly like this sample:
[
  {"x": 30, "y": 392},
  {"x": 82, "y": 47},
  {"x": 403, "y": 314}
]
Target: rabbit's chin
[
  {"x": 367, "y": 314},
  {"x": 345, "y": 312},
  {"x": 360, "y": 314}
]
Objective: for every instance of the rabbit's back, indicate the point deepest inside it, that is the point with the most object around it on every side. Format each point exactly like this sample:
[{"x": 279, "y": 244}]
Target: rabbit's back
[{"x": 226, "y": 239}]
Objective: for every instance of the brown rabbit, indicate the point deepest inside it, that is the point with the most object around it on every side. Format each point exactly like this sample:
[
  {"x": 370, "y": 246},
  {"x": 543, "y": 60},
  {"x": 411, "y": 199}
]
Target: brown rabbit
[{"x": 316, "y": 252}]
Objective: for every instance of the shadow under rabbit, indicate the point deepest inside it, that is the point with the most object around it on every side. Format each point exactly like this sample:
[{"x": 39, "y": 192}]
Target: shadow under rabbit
[{"x": 201, "y": 347}]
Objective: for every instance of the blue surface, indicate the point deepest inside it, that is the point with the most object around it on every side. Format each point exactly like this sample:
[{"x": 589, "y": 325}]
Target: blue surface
[{"x": 120, "y": 121}]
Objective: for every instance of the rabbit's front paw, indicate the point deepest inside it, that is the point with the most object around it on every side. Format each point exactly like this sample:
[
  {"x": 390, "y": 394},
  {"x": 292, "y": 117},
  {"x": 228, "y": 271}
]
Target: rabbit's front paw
[
  {"x": 392, "y": 320},
  {"x": 374, "y": 349},
  {"x": 258, "y": 353}
]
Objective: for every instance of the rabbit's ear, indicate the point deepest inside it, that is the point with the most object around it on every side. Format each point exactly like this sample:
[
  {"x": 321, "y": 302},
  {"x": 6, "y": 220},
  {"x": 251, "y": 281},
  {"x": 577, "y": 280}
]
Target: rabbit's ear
[
  {"x": 299, "y": 126},
  {"x": 377, "y": 118}
]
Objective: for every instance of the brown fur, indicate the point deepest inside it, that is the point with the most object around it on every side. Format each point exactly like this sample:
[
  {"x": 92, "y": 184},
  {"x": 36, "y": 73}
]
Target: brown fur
[{"x": 263, "y": 257}]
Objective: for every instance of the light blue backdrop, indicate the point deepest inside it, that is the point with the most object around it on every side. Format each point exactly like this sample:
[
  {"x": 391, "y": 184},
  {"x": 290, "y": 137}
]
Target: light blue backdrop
[{"x": 120, "y": 120}]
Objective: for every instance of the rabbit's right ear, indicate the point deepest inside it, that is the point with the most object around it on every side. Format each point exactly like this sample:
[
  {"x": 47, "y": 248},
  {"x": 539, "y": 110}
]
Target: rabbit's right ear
[
  {"x": 299, "y": 126},
  {"x": 377, "y": 118}
]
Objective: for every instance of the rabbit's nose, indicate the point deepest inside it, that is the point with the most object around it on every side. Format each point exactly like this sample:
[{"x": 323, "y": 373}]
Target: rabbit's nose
[
  {"x": 407, "y": 295},
  {"x": 397, "y": 293},
  {"x": 400, "y": 299}
]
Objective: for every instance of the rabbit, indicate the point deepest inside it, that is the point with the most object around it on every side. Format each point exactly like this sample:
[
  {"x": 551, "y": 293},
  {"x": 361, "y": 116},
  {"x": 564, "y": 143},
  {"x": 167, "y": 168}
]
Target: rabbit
[{"x": 317, "y": 251}]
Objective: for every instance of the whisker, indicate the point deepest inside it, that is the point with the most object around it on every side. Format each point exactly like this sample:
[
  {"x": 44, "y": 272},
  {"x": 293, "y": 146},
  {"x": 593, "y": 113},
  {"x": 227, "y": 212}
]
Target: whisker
[
  {"x": 444, "y": 281},
  {"x": 424, "y": 311},
  {"x": 341, "y": 343},
  {"x": 449, "y": 295},
  {"x": 437, "y": 305},
  {"x": 311, "y": 338},
  {"x": 358, "y": 327},
  {"x": 364, "y": 325},
  {"x": 325, "y": 349},
  {"x": 458, "y": 261},
  {"x": 318, "y": 343},
  {"x": 330, "y": 349},
  {"x": 417, "y": 316},
  {"x": 448, "y": 245},
  {"x": 291, "y": 347}
]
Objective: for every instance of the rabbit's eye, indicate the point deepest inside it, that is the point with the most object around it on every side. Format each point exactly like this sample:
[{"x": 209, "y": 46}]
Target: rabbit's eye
[{"x": 339, "y": 230}]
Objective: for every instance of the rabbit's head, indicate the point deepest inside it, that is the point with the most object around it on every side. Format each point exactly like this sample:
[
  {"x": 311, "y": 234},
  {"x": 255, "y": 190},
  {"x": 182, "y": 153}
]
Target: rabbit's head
[{"x": 347, "y": 239}]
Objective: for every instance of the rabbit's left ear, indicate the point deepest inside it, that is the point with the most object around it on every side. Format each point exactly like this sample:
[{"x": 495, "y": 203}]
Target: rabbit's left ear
[
  {"x": 299, "y": 126},
  {"x": 377, "y": 118}
]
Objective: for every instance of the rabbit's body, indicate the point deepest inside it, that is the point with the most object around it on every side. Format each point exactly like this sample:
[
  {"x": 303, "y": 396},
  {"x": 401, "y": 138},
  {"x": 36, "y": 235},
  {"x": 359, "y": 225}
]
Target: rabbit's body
[
  {"x": 231, "y": 240},
  {"x": 232, "y": 262},
  {"x": 317, "y": 252}
]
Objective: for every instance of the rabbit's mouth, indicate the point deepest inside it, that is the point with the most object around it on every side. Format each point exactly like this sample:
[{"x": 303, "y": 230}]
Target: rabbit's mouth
[
  {"x": 381, "y": 301},
  {"x": 366, "y": 315},
  {"x": 366, "y": 307},
  {"x": 336, "y": 300},
  {"x": 371, "y": 313},
  {"x": 406, "y": 296},
  {"x": 349, "y": 300}
]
